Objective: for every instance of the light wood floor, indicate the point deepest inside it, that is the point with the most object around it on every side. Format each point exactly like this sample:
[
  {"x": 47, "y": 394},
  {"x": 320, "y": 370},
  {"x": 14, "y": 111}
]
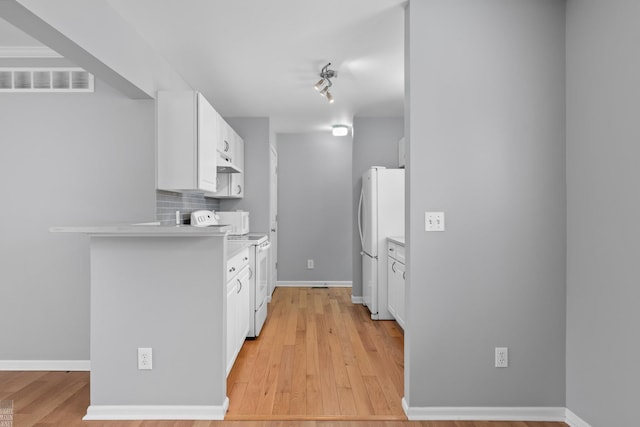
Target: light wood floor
[
  {"x": 304, "y": 376},
  {"x": 319, "y": 357}
]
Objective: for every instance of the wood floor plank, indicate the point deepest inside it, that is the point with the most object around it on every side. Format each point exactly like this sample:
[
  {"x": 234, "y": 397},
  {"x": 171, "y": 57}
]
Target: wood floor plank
[
  {"x": 327, "y": 378},
  {"x": 359, "y": 389},
  {"x": 298, "y": 404},
  {"x": 314, "y": 396}
]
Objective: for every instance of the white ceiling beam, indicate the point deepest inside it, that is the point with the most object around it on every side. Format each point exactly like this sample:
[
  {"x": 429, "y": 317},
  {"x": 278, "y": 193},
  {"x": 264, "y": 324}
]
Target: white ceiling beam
[{"x": 93, "y": 36}]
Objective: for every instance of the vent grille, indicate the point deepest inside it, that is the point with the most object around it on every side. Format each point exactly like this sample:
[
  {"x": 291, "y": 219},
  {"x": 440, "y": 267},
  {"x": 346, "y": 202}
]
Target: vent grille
[{"x": 45, "y": 80}]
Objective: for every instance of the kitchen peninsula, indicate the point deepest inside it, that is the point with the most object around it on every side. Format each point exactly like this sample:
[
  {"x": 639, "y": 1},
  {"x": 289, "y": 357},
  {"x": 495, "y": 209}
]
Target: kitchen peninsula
[{"x": 158, "y": 287}]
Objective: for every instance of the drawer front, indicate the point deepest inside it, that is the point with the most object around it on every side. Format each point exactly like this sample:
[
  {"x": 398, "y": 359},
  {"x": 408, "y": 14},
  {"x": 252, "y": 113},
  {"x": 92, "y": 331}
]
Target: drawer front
[
  {"x": 237, "y": 263},
  {"x": 396, "y": 251}
]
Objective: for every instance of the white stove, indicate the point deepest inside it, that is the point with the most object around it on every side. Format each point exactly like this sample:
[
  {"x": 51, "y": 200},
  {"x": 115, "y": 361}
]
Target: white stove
[{"x": 259, "y": 289}]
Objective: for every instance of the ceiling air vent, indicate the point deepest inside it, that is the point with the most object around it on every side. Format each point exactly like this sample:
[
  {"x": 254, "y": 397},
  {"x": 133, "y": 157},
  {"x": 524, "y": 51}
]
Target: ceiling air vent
[{"x": 45, "y": 80}]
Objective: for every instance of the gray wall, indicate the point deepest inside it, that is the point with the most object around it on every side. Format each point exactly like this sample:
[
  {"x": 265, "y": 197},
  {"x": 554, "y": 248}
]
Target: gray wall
[
  {"x": 67, "y": 159},
  {"x": 255, "y": 132},
  {"x": 486, "y": 134},
  {"x": 603, "y": 236},
  {"x": 314, "y": 207},
  {"x": 375, "y": 143}
]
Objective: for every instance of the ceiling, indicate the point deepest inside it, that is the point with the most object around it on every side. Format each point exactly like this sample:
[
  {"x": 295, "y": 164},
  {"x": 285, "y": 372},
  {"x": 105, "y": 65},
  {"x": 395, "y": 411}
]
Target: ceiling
[{"x": 261, "y": 58}]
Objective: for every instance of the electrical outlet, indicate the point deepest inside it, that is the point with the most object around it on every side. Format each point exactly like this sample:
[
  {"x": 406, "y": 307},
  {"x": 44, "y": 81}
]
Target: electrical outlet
[
  {"x": 434, "y": 221},
  {"x": 309, "y": 264},
  {"x": 502, "y": 357},
  {"x": 145, "y": 358}
]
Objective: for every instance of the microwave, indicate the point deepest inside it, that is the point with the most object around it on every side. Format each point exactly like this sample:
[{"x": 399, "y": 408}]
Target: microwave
[{"x": 238, "y": 220}]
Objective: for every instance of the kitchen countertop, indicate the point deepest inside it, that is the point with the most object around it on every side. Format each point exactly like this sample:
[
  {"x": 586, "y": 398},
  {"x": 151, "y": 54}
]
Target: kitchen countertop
[
  {"x": 145, "y": 229},
  {"x": 396, "y": 239}
]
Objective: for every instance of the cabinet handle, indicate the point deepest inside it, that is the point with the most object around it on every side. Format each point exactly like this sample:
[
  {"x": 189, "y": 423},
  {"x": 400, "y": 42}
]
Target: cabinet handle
[
  {"x": 226, "y": 146},
  {"x": 393, "y": 267},
  {"x": 232, "y": 269},
  {"x": 250, "y": 273},
  {"x": 403, "y": 275},
  {"x": 239, "y": 189},
  {"x": 239, "y": 283}
]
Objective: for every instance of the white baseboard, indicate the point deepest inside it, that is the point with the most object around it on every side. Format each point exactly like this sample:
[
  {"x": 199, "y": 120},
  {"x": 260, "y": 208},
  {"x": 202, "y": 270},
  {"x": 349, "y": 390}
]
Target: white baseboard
[
  {"x": 357, "y": 300},
  {"x": 573, "y": 420},
  {"x": 313, "y": 284},
  {"x": 549, "y": 414},
  {"x": 45, "y": 365},
  {"x": 157, "y": 412}
]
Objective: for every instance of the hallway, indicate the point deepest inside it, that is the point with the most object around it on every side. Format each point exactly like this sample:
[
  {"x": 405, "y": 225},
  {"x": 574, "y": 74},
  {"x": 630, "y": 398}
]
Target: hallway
[{"x": 319, "y": 357}]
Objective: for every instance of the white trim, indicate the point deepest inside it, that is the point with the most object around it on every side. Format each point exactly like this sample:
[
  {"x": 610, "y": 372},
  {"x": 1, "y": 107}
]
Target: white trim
[
  {"x": 485, "y": 413},
  {"x": 28, "y": 52},
  {"x": 313, "y": 284},
  {"x": 157, "y": 412},
  {"x": 573, "y": 420},
  {"x": 45, "y": 365},
  {"x": 356, "y": 300}
]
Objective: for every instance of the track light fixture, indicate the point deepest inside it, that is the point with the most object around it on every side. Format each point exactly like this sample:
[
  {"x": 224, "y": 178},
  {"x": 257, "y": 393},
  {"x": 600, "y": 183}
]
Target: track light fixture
[{"x": 326, "y": 75}]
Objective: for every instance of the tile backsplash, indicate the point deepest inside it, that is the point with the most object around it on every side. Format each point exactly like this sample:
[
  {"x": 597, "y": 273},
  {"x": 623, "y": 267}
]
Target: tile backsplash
[{"x": 167, "y": 203}]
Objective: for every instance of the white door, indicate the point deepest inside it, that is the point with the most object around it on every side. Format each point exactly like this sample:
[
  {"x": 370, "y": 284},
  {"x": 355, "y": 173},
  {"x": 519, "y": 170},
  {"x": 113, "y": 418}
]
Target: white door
[{"x": 273, "y": 220}]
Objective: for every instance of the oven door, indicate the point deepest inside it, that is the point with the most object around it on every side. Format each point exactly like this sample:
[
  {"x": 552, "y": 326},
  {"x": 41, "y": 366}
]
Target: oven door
[{"x": 262, "y": 285}]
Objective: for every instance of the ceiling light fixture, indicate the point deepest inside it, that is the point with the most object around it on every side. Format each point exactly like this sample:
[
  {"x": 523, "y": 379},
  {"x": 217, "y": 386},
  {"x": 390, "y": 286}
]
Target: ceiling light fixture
[
  {"x": 340, "y": 130},
  {"x": 326, "y": 75}
]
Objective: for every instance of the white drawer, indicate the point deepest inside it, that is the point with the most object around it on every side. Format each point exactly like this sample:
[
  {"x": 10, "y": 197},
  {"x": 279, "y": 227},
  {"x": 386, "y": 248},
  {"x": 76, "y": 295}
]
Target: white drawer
[
  {"x": 237, "y": 263},
  {"x": 396, "y": 252}
]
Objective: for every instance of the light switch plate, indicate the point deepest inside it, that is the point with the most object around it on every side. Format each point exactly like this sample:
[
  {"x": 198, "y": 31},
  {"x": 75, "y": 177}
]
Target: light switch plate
[{"x": 434, "y": 221}]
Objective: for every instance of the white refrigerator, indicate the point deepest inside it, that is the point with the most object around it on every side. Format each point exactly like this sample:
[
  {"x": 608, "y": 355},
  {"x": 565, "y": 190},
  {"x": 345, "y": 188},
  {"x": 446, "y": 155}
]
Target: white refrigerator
[{"x": 380, "y": 215}]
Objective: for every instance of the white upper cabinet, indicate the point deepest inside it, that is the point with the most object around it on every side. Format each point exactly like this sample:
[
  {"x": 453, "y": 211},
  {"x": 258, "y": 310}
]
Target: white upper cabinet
[
  {"x": 230, "y": 185},
  {"x": 188, "y": 132},
  {"x": 228, "y": 141}
]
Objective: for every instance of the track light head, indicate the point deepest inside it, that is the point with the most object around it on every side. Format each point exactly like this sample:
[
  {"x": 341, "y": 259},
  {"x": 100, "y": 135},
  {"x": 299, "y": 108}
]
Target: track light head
[{"x": 326, "y": 75}]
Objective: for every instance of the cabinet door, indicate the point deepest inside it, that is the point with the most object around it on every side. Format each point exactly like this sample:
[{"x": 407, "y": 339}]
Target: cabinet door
[
  {"x": 225, "y": 143},
  {"x": 395, "y": 287},
  {"x": 232, "y": 299},
  {"x": 207, "y": 133},
  {"x": 392, "y": 287},
  {"x": 400, "y": 268},
  {"x": 236, "y": 188}
]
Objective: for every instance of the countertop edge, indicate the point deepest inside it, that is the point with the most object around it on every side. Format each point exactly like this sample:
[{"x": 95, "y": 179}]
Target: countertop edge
[
  {"x": 143, "y": 230},
  {"x": 396, "y": 239}
]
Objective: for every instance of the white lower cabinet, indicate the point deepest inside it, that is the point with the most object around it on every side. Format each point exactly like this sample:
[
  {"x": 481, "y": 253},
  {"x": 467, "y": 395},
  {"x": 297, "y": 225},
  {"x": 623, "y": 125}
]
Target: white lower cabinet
[
  {"x": 238, "y": 304},
  {"x": 396, "y": 282}
]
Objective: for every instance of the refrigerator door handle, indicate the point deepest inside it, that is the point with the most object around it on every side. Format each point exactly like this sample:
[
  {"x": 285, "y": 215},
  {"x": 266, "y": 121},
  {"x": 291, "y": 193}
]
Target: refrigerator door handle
[{"x": 360, "y": 217}]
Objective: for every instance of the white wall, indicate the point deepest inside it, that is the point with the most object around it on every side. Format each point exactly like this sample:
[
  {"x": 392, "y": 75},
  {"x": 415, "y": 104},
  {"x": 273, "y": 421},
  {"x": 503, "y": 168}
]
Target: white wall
[
  {"x": 486, "y": 128},
  {"x": 67, "y": 159},
  {"x": 314, "y": 206},
  {"x": 375, "y": 143},
  {"x": 603, "y": 236}
]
